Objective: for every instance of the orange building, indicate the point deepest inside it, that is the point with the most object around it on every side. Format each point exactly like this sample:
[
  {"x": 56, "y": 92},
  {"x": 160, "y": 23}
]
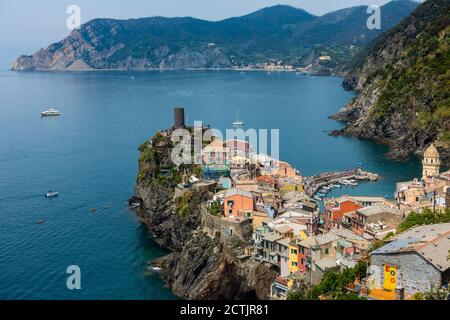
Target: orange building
[
  {"x": 238, "y": 203},
  {"x": 285, "y": 170},
  {"x": 335, "y": 211},
  {"x": 266, "y": 182}
]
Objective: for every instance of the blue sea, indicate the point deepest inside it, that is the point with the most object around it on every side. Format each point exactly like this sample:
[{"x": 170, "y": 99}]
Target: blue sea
[{"x": 89, "y": 155}]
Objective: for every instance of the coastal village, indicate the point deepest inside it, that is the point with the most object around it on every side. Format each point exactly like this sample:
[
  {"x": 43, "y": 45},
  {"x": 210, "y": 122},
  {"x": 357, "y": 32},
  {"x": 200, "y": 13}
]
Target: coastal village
[{"x": 269, "y": 213}]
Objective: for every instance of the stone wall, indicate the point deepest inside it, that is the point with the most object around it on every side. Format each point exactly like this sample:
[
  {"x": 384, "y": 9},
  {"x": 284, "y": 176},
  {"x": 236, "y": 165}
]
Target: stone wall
[
  {"x": 227, "y": 230},
  {"x": 417, "y": 274}
]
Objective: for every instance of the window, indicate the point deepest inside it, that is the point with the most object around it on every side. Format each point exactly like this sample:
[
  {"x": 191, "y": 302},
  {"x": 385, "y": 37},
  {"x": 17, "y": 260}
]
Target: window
[
  {"x": 327, "y": 251},
  {"x": 303, "y": 262},
  {"x": 294, "y": 251},
  {"x": 295, "y": 264}
]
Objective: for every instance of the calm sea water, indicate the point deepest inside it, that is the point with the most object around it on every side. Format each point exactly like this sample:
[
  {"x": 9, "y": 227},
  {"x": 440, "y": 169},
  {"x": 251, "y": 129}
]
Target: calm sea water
[{"x": 89, "y": 156}]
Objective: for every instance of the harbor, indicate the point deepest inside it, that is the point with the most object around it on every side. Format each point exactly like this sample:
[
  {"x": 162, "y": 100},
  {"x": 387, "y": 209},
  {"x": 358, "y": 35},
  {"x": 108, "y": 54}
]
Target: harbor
[{"x": 335, "y": 179}]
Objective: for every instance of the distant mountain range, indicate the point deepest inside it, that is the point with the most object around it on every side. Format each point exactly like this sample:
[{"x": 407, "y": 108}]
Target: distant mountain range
[
  {"x": 404, "y": 83},
  {"x": 284, "y": 33}
]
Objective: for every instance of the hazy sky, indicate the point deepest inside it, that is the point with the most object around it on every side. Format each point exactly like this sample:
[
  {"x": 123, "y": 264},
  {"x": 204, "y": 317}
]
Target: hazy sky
[{"x": 26, "y": 26}]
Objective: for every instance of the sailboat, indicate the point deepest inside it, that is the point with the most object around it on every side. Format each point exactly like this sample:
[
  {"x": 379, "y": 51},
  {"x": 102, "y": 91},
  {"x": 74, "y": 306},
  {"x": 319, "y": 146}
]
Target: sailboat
[{"x": 238, "y": 123}]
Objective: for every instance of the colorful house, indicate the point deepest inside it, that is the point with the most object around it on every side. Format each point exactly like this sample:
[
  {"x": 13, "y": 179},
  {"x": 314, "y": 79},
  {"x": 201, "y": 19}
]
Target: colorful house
[
  {"x": 238, "y": 203},
  {"x": 216, "y": 153},
  {"x": 335, "y": 209},
  {"x": 258, "y": 218},
  {"x": 414, "y": 261},
  {"x": 239, "y": 148},
  {"x": 266, "y": 182}
]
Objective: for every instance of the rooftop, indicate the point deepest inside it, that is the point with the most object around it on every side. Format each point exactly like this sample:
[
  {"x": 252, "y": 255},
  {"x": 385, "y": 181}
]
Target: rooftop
[
  {"x": 234, "y": 192},
  {"x": 319, "y": 240},
  {"x": 271, "y": 237},
  {"x": 325, "y": 263},
  {"x": 378, "y": 209},
  {"x": 432, "y": 242}
]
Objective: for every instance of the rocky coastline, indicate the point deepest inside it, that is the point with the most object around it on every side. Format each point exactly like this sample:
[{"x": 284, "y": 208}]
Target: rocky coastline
[
  {"x": 402, "y": 86},
  {"x": 202, "y": 265}
]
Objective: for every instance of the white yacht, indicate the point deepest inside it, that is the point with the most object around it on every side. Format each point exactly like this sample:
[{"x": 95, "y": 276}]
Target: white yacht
[
  {"x": 238, "y": 123},
  {"x": 50, "y": 113}
]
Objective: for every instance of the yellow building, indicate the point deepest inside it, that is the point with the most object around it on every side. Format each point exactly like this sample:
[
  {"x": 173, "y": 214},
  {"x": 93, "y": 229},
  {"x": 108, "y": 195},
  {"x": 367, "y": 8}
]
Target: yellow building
[
  {"x": 431, "y": 162},
  {"x": 294, "y": 251},
  {"x": 293, "y": 257}
]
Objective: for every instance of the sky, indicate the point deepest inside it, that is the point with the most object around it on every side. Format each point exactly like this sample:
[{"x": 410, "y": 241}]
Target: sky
[{"x": 26, "y": 26}]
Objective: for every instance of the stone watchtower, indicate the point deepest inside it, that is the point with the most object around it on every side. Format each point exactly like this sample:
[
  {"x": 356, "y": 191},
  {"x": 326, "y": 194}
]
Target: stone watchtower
[{"x": 431, "y": 162}]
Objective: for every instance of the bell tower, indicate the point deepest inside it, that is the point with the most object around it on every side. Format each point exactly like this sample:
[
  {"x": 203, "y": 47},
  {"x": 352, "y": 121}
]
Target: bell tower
[{"x": 431, "y": 162}]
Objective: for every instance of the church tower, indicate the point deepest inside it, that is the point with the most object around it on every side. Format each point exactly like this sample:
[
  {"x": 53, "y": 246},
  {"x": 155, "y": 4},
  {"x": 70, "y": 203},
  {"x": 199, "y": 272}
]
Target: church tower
[{"x": 431, "y": 162}]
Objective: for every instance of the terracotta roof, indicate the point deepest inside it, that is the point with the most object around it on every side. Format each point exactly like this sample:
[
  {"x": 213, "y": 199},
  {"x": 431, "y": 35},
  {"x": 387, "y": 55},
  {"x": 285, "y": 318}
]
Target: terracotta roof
[
  {"x": 282, "y": 280},
  {"x": 266, "y": 179}
]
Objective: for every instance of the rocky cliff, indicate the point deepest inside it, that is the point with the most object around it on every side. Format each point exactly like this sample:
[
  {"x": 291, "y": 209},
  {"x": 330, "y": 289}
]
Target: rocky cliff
[
  {"x": 403, "y": 82},
  {"x": 201, "y": 266},
  {"x": 271, "y": 34}
]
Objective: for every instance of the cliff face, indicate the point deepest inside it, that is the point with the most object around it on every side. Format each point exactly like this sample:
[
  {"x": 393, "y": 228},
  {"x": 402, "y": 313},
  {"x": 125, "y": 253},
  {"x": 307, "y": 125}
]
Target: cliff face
[
  {"x": 403, "y": 81},
  {"x": 276, "y": 33},
  {"x": 200, "y": 265}
]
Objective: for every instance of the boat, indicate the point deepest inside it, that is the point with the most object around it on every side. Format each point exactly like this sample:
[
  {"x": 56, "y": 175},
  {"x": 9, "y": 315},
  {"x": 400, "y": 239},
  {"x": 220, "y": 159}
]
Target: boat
[
  {"x": 353, "y": 182},
  {"x": 324, "y": 191},
  {"x": 156, "y": 269},
  {"x": 321, "y": 195},
  {"x": 344, "y": 182},
  {"x": 41, "y": 221},
  {"x": 238, "y": 123},
  {"x": 50, "y": 113},
  {"x": 317, "y": 198},
  {"x": 93, "y": 210},
  {"x": 51, "y": 194},
  {"x": 326, "y": 188}
]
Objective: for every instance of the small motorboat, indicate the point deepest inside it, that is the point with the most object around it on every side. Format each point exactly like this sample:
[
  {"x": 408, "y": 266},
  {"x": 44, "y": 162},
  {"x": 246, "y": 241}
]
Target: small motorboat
[
  {"x": 93, "y": 210},
  {"x": 50, "y": 113},
  {"x": 51, "y": 194},
  {"x": 317, "y": 198},
  {"x": 41, "y": 221},
  {"x": 353, "y": 182},
  {"x": 322, "y": 195},
  {"x": 156, "y": 269}
]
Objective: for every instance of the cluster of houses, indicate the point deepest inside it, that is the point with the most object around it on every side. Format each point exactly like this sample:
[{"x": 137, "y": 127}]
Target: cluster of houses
[
  {"x": 301, "y": 238},
  {"x": 262, "y": 202}
]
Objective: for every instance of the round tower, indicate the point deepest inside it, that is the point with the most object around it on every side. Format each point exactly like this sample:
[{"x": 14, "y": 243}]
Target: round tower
[{"x": 431, "y": 162}]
